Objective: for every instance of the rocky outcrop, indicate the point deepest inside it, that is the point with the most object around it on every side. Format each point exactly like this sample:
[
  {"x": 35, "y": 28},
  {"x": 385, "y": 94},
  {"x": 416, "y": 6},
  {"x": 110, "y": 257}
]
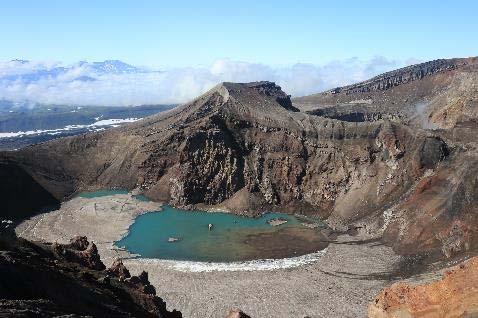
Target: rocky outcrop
[
  {"x": 355, "y": 115},
  {"x": 431, "y": 95},
  {"x": 118, "y": 269},
  {"x": 142, "y": 283},
  {"x": 401, "y": 76},
  {"x": 38, "y": 282},
  {"x": 455, "y": 295},
  {"x": 80, "y": 251}
]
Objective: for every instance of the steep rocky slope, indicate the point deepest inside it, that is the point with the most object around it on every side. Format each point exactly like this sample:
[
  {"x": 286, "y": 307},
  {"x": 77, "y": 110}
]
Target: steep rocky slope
[
  {"x": 58, "y": 280},
  {"x": 21, "y": 194},
  {"x": 455, "y": 295},
  {"x": 247, "y": 149},
  {"x": 435, "y": 94}
]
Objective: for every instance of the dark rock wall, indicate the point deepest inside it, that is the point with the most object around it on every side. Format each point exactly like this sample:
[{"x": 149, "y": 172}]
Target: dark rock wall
[
  {"x": 398, "y": 77},
  {"x": 36, "y": 284},
  {"x": 21, "y": 195}
]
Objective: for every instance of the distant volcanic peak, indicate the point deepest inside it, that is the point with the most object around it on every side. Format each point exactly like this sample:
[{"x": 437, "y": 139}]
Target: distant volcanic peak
[
  {"x": 259, "y": 90},
  {"x": 248, "y": 102},
  {"x": 264, "y": 87},
  {"x": 259, "y": 86}
]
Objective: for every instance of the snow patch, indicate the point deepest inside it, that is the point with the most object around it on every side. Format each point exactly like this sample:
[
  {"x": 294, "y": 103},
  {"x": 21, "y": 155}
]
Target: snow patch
[{"x": 95, "y": 126}]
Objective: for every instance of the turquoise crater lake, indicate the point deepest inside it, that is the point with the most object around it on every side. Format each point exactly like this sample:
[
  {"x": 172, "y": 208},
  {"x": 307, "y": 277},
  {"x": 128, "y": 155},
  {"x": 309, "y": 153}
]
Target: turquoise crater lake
[{"x": 175, "y": 234}]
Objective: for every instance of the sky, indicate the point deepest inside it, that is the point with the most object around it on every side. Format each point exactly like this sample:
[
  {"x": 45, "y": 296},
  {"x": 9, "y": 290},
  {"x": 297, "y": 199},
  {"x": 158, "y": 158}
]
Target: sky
[{"x": 263, "y": 37}]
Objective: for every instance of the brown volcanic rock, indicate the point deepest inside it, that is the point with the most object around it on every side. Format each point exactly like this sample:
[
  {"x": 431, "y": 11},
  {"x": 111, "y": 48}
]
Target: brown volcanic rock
[
  {"x": 80, "y": 251},
  {"x": 455, "y": 295},
  {"x": 118, "y": 269},
  {"x": 245, "y": 148},
  {"x": 35, "y": 283},
  {"x": 142, "y": 283},
  {"x": 441, "y": 210},
  {"x": 79, "y": 243},
  {"x": 435, "y": 94}
]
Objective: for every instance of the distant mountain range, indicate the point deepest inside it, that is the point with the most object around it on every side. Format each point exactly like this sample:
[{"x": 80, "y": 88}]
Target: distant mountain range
[
  {"x": 25, "y": 84},
  {"x": 44, "y": 71},
  {"x": 24, "y": 120}
]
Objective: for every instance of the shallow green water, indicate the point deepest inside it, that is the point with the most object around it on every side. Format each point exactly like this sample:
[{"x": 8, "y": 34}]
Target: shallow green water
[{"x": 233, "y": 238}]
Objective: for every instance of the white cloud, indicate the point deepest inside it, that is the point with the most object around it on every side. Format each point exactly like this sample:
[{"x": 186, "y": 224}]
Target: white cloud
[{"x": 120, "y": 84}]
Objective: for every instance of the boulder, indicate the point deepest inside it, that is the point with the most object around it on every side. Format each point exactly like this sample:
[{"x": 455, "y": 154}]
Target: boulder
[
  {"x": 143, "y": 277},
  {"x": 79, "y": 243},
  {"x": 141, "y": 282},
  {"x": 79, "y": 251},
  {"x": 118, "y": 269}
]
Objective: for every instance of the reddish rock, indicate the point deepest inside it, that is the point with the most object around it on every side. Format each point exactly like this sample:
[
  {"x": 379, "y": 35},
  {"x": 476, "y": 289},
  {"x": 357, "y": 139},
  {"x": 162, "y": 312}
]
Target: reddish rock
[{"x": 455, "y": 295}]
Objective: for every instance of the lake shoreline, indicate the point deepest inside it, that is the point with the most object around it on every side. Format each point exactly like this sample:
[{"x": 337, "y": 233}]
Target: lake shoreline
[
  {"x": 104, "y": 220},
  {"x": 200, "y": 236},
  {"x": 344, "y": 270},
  {"x": 349, "y": 269}
]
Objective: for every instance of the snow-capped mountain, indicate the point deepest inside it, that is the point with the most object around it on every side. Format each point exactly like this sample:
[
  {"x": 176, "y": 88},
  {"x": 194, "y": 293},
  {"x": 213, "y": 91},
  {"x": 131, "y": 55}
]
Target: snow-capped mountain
[
  {"x": 116, "y": 83},
  {"x": 115, "y": 67},
  {"x": 25, "y": 71},
  {"x": 24, "y": 84}
]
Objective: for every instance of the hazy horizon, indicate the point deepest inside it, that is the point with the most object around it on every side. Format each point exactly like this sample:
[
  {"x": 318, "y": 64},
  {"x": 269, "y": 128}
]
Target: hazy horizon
[
  {"x": 112, "y": 83},
  {"x": 306, "y": 48}
]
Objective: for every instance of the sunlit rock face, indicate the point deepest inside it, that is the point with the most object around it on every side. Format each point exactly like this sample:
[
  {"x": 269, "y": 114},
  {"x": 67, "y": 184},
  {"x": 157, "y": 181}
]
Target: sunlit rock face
[
  {"x": 455, "y": 295},
  {"x": 247, "y": 148}
]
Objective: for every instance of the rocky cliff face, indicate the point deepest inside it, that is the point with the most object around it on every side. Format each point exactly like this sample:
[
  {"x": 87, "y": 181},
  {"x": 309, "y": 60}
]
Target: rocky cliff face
[
  {"x": 21, "y": 194},
  {"x": 245, "y": 148},
  {"x": 38, "y": 282},
  {"x": 436, "y": 94},
  {"x": 455, "y": 295},
  {"x": 401, "y": 76}
]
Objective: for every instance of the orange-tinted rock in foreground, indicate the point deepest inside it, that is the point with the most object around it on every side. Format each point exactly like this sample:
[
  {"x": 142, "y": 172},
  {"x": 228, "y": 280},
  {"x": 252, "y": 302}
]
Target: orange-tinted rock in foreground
[{"x": 455, "y": 295}]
